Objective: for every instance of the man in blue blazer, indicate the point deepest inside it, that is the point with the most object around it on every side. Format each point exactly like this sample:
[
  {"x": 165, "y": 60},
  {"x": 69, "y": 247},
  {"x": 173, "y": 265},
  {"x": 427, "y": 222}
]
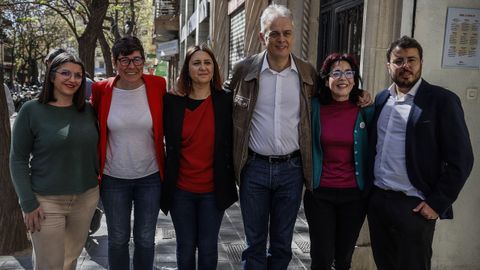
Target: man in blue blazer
[{"x": 421, "y": 156}]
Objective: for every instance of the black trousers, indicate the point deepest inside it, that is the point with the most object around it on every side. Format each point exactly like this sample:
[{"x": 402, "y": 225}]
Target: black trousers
[
  {"x": 401, "y": 239},
  {"x": 335, "y": 217}
]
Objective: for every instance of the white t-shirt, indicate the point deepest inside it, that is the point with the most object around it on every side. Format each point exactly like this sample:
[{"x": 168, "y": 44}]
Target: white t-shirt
[{"x": 130, "y": 147}]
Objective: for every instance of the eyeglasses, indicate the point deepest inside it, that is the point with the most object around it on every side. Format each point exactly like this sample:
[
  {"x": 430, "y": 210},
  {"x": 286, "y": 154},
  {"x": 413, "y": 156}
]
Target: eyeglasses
[
  {"x": 277, "y": 34},
  {"x": 337, "y": 74},
  {"x": 399, "y": 62},
  {"x": 67, "y": 74},
  {"x": 125, "y": 61}
]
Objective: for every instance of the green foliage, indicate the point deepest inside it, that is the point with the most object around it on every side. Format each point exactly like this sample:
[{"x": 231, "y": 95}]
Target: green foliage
[{"x": 34, "y": 31}]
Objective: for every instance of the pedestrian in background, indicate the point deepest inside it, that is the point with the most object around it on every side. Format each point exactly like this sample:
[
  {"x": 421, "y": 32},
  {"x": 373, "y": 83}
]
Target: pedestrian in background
[
  {"x": 131, "y": 151},
  {"x": 336, "y": 204},
  {"x": 199, "y": 180},
  {"x": 54, "y": 165}
]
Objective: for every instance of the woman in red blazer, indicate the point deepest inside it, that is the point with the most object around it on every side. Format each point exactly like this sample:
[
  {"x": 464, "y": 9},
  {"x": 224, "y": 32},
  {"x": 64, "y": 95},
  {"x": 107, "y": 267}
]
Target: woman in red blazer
[{"x": 129, "y": 110}]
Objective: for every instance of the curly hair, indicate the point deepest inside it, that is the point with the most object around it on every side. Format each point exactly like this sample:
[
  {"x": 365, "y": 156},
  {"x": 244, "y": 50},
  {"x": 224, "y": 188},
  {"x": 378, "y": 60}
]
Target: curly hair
[{"x": 325, "y": 93}]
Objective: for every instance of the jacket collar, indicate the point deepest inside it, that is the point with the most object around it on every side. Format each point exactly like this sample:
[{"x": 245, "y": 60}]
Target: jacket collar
[
  {"x": 266, "y": 65},
  {"x": 257, "y": 63}
]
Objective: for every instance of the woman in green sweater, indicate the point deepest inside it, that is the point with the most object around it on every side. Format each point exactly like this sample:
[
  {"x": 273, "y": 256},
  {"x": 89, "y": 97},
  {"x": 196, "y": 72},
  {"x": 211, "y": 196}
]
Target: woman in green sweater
[{"x": 54, "y": 166}]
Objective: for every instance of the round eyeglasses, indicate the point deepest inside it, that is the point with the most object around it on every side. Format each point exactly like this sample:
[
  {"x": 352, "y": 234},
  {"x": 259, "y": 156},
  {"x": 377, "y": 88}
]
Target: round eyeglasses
[
  {"x": 67, "y": 74},
  {"x": 336, "y": 74}
]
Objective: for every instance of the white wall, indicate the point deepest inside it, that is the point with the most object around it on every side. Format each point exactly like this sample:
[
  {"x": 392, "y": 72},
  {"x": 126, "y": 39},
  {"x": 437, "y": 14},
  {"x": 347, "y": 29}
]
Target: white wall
[{"x": 456, "y": 242}]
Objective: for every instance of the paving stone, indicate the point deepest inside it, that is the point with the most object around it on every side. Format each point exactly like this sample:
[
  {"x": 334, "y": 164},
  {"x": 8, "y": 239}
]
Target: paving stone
[{"x": 231, "y": 245}]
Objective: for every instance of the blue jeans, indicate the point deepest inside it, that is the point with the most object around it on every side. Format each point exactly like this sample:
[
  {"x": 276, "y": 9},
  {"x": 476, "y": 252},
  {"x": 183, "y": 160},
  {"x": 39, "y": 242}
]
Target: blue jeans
[
  {"x": 197, "y": 221},
  {"x": 118, "y": 196},
  {"x": 270, "y": 192}
]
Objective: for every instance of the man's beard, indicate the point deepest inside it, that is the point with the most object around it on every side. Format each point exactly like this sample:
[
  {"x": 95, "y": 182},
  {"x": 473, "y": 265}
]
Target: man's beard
[{"x": 403, "y": 83}]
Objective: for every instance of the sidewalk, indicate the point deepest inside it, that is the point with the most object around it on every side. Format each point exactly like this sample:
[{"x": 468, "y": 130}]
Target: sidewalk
[{"x": 231, "y": 245}]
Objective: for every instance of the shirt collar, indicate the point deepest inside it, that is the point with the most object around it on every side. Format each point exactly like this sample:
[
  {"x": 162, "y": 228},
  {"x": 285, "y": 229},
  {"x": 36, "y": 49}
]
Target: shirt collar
[
  {"x": 412, "y": 92},
  {"x": 266, "y": 66}
]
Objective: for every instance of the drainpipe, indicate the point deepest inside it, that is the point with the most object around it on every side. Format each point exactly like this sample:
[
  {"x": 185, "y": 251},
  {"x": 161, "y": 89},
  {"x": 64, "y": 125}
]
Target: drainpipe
[{"x": 413, "y": 18}]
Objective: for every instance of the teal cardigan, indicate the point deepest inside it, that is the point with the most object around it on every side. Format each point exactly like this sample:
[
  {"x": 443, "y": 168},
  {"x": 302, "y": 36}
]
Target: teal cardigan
[{"x": 360, "y": 146}]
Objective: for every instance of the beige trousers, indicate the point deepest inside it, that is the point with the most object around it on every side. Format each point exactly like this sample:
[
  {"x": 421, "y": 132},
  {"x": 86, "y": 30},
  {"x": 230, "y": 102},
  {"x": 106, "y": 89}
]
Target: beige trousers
[{"x": 64, "y": 231}]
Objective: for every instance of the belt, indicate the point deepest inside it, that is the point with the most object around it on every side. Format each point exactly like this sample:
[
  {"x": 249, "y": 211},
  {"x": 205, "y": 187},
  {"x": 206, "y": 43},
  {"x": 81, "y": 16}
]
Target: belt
[
  {"x": 275, "y": 158},
  {"x": 389, "y": 193}
]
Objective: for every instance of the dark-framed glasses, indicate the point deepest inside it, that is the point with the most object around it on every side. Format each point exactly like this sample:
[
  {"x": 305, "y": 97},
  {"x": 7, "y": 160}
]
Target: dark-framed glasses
[
  {"x": 67, "y": 74},
  {"x": 125, "y": 61},
  {"x": 336, "y": 74}
]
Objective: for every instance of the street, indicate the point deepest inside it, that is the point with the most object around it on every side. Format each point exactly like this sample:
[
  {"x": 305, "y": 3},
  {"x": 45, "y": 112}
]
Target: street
[{"x": 231, "y": 245}]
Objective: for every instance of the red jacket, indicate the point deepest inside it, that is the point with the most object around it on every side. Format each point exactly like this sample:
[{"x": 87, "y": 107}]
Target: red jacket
[{"x": 101, "y": 99}]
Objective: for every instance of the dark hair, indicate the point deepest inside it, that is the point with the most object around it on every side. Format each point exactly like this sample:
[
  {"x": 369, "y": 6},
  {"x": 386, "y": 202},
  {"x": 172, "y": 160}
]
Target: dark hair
[
  {"x": 53, "y": 53},
  {"x": 185, "y": 81},
  {"x": 405, "y": 42},
  {"x": 47, "y": 93},
  {"x": 127, "y": 45},
  {"x": 325, "y": 92}
]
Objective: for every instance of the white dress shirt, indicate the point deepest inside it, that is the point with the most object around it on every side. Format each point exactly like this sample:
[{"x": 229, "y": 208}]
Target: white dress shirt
[{"x": 274, "y": 128}]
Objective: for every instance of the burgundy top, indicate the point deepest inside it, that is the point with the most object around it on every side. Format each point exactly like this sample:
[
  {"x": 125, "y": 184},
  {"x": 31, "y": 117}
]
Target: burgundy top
[
  {"x": 337, "y": 121},
  {"x": 196, "y": 154}
]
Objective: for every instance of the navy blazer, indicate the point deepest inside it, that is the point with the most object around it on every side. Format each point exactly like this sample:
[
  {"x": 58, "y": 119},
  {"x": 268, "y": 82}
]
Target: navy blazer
[
  {"x": 224, "y": 179},
  {"x": 439, "y": 156}
]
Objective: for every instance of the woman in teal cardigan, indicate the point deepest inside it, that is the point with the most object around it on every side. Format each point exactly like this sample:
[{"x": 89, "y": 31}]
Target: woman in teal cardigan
[{"x": 335, "y": 205}]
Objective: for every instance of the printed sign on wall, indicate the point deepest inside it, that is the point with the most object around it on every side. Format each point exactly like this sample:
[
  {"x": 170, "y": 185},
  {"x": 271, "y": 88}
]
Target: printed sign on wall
[{"x": 461, "y": 44}]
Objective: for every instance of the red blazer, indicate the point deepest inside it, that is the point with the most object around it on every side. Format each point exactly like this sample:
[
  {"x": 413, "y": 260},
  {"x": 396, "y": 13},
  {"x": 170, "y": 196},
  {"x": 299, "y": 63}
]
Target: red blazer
[{"x": 101, "y": 99}]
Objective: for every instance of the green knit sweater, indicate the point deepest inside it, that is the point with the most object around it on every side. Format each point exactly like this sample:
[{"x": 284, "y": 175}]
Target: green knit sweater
[{"x": 53, "y": 152}]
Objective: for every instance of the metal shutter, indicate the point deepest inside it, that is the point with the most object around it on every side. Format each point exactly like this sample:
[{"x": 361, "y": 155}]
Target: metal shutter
[{"x": 237, "y": 39}]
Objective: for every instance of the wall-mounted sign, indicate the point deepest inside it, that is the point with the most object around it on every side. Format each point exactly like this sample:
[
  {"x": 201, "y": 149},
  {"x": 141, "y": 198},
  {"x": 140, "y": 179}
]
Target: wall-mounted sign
[
  {"x": 167, "y": 48},
  {"x": 461, "y": 47}
]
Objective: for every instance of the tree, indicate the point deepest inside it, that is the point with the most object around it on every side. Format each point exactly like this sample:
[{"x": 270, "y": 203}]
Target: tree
[
  {"x": 128, "y": 18},
  {"x": 84, "y": 18},
  {"x": 119, "y": 14},
  {"x": 13, "y": 235},
  {"x": 92, "y": 14},
  {"x": 35, "y": 32}
]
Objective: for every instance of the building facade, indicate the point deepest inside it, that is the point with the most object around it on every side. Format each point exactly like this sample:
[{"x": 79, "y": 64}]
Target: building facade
[{"x": 364, "y": 28}]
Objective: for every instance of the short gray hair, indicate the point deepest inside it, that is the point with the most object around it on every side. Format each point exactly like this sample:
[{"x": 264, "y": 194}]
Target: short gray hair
[{"x": 273, "y": 12}]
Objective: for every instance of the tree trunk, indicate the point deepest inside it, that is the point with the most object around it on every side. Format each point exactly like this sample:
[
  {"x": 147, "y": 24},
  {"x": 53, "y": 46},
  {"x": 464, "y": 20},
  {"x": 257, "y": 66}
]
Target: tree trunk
[
  {"x": 107, "y": 55},
  {"x": 13, "y": 234},
  {"x": 132, "y": 30},
  {"x": 87, "y": 42}
]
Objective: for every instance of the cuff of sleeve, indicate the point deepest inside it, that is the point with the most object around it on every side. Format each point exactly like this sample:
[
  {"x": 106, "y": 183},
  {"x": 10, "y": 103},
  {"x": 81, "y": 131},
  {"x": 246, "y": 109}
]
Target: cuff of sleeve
[
  {"x": 29, "y": 205},
  {"x": 440, "y": 206}
]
